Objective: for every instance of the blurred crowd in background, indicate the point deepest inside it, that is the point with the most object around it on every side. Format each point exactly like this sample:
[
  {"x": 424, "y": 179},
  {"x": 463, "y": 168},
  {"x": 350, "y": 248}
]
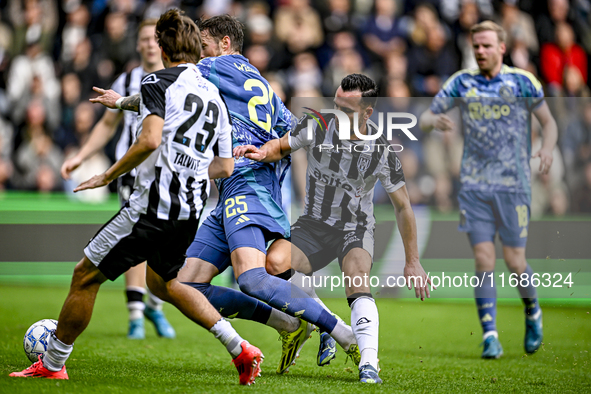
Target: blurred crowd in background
[{"x": 53, "y": 51}]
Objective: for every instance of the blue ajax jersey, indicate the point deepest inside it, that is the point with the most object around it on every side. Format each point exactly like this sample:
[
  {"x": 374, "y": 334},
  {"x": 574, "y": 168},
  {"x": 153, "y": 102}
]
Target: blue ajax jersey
[
  {"x": 258, "y": 115},
  {"x": 496, "y": 116}
]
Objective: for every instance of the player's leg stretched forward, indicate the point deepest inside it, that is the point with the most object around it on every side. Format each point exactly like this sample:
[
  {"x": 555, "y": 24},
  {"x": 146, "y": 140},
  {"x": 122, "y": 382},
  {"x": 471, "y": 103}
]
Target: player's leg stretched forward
[
  {"x": 135, "y": 289},
  {"x": 209, "y": 255},
  {"x": 286, "y": 261},
  {"x": 77, "y": 311}
]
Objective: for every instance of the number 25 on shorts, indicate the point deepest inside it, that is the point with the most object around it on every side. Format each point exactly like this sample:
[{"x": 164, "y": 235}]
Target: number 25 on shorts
[{"x": 241, "y": 206}]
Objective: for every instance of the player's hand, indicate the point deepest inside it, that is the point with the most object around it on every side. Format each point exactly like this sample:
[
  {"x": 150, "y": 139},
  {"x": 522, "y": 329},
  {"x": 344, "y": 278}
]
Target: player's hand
[
  {"x": 69, "y": 166},
  {"x": 108, "y": 98},
  {"x": 444, "y": 123},
  {"x": 250, "y": 152},
  {"x": 415, "y": 275},
  {"x": 546, "y": 159},
  {"x": 93, "y": 183}
]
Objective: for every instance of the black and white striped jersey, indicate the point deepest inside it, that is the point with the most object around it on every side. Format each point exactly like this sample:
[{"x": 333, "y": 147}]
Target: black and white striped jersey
[
  {"x": 173, "y": 182},
  {"x": 128, "y": 84},
  {"x": 342, "y": 174}
]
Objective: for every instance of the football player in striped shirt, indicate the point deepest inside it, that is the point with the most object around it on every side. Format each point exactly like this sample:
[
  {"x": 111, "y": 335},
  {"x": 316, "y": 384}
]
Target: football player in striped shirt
[
  {"x": 338, "y": 220},
  {"x": 249, "y": 213},
  {"x": 496, "y": 105},
  {"x": 127, "y": 84},
  {"x": 183, "y": 122}
]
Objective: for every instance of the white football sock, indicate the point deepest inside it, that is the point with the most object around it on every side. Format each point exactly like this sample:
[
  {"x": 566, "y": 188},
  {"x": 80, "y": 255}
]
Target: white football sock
[
  {"x": 57, "y": 354},
  {"x": 365, "y": 324},
  {"x": 298, "y": 280},
  {"x": 136, "y": 308},
  {"x": 226, "y": 334},
  {"x": 489, "y": 333},
  {"x": 343, "y": 334},
  {"x": 282, "y": 321},
  {"x": 154, "y": 302}
]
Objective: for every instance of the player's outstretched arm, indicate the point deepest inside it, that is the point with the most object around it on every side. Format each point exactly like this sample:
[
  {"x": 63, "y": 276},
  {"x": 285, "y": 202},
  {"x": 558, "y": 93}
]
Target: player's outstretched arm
[
  {"x": 405, "y": 218},
  {"x": 100, "y": 135},
  {"x": 147, "y": 142},
  {"x": 109, "y": 99},
  {"x": 429, "y": 121},
  {"x": 271, "y": 152},
  {"x": 549, "y": 137}
]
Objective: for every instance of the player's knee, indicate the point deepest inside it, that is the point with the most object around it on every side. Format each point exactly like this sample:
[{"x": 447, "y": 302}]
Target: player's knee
[
  {"x": 277, "y": 263},
  {"x": 158, "y": 287},
  {"x": 86, "y": 274}
]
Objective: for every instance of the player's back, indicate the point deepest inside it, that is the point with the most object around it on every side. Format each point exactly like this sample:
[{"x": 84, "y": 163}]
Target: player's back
[
  {"x": 173, "y": 181},
  {"x": 258, "y": 115}
]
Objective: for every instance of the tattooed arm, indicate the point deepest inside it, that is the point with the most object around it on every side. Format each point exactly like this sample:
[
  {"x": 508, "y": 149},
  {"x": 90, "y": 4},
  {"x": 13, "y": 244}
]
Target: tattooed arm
[{"x": 109, "y": 98}]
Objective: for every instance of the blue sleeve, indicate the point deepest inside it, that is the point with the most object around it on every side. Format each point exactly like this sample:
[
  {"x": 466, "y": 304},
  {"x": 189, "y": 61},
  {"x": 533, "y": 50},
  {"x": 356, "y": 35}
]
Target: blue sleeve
[
  {"x": 444, "y": 99},
  {"x": 205, "y": 66},
  {"x": 285, "y": 119}
]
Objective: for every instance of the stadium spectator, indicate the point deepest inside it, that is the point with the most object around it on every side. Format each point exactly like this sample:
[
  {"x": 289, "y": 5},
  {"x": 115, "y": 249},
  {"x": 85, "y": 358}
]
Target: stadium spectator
[
  {"x": 522, "y": 42},
  {"x": 582, "y": 195},
  {"x": 34, "y": 21},
  {"x": 38, "y": 159},
  {"x": 85, "y": 67},
  {"x": 382, "y": 34},
  {"x": 32, "y": 75},
  {"x": 305, "y": 73},
  {"x": 298, "y": 26},
  {"x": 5, "y": 152},
  {"x": 74, "y": 31},
  {"x": 576, "y": 144},
  {"x": 118, "y": 45},
  {"x": 339, "y": 17},
  {"x": 431, "y": 64},
  {"x": 469, "y": 16},
  {"x": 563, "y": 52}
]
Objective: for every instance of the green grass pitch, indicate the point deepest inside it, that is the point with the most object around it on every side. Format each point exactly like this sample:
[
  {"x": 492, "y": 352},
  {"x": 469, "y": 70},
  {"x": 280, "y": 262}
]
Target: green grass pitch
[{"x": 430, "y": 346}]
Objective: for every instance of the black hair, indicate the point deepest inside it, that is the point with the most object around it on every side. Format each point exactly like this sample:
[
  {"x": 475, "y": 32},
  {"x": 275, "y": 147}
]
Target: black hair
[
  {"x": 224, "y": 25},
  {"x": 364, "y": 84}
]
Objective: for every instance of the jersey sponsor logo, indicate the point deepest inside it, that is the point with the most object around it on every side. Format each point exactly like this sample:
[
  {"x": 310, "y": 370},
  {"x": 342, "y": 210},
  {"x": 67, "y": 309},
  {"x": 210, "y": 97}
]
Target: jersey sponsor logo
[
  {"x": 479, "y": 111},
  {"x": 330, "y": 180},
  {"x": 363, "y": 320},
  {"x": 151, "y": 78},
  {"x": 398, "y": 165}
]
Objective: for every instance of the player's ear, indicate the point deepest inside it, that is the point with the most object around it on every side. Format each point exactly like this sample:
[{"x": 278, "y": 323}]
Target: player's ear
[
  {"x": 226, "y": 43},
  {"x": 368, "y": 112}
]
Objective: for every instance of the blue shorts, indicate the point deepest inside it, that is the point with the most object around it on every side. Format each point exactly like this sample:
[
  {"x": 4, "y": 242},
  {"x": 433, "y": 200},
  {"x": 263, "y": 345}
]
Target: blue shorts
[
  {"x": 210, "y": 243},
  {"x": 482, "y": 214},
  {"x": 248, "y": 214}
]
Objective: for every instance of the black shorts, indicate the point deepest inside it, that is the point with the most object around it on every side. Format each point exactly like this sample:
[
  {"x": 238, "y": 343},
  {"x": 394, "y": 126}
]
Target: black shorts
[
  {"x": 131, "y": 238},
  {"x": 322, "y": 243}
]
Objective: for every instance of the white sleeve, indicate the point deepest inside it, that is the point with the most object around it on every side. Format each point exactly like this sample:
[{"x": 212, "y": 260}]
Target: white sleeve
[
  {"x": 224, "y": 142},
  {"x": 299, "y": 136}
]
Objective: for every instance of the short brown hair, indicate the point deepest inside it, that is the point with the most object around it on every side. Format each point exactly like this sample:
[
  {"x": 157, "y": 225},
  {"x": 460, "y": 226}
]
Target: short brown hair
[
  {"x": 489, "y": 26},
  {"x": 224, "y": 25},
  {"x": 178, "y": 36},
  {"x": 147, "y": 22}
]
